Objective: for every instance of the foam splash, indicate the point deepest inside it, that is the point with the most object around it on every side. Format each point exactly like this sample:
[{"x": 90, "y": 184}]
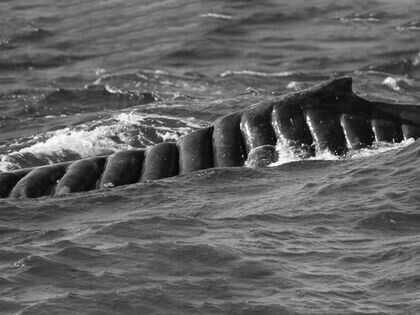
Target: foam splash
[
  {"x": 364, "y": 17},
  {"x": 397, "y": 83},
  {"x": 379, "y": 147},
  {"x": 286, "y": 154},
  {"x": 217, "y": 16},
  {"x": 257, "y": 73},
  {"x": 295, "y": 85},
  {"x": 392, "y": 83},
  {"x": 122, "y": 131},
  {"x": 62, "y": 144}
]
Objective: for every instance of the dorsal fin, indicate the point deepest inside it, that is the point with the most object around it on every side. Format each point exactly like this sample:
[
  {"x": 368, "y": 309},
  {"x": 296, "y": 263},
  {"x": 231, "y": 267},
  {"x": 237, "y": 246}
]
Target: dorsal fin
[{"x": 337, "y": 86}]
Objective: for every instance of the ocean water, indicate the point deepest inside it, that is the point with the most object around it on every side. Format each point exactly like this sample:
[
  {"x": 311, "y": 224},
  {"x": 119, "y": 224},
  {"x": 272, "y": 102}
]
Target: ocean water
[{"x": 325, "y": 236}]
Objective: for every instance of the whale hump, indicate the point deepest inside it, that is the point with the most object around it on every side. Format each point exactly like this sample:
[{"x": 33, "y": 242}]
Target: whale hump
[{"x": 328, "y": 117}]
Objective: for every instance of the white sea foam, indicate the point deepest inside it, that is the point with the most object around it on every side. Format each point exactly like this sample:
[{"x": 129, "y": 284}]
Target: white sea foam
[
  {"x": 84, "y": 142},
  {"x": 294, "y": 85},
  {"x": 286, "y": 154},
  {"x": 6, "y": 165},
  {"x": 100, "y": 71},
  {"x": 135, "y": 118},
  {"x": 257, "y": 73},
  {"x": 119, "y": 132},
  {"x": 392, "y": 83},
  {"x": 361, "y": 17},
  {"x": 379, "y": 147},
  {"x": 217, "y": 16},
  {"x": 396, "y": 83}
]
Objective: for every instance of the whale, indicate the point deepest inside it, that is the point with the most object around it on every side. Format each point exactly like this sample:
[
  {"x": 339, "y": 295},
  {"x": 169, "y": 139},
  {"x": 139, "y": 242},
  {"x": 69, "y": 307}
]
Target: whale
[{"x": 328, "y": 117}]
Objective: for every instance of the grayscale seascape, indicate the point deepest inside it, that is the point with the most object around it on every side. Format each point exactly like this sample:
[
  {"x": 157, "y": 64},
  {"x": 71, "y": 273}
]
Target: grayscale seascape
[{"x": 324, "y": 235}]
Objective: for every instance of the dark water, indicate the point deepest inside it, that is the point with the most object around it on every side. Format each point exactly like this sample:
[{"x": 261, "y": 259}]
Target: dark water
[{"x": 328, "y": 236}]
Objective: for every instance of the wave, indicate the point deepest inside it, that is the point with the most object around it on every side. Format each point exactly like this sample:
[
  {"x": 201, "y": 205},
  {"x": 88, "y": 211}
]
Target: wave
[
  {"x": 409, "y": 26},
  {"x": 161, "y": 299},
  {"x": 268, "y": 14},
  {"x": 80, "y": 253},
  {"x": 155, "y": 228},
  {"x": 46, "y": 271},
  {"x": 11, "y": 256},
  {"x": 184, "y": 56},
  {"x": 184, "y": 254},
  {"x": 301, "y": 78},
  {"x": 269, "y": 17},
  {"x": 56, "y": 108},
  {"x": 400, "y": 281},
  {"x": 252, "y": 270},
  {"x": 40, "y": 61},
  {"x": 392, "y": 222},
  {"x": 400, "y": 66},
  {"x": 30, "y": 34},
  {"x": 162, "y": 85},
  {"x": 7, "y": 230},
  {"x": 6, "y": 305},
  {"x": 95, "y": 96}
]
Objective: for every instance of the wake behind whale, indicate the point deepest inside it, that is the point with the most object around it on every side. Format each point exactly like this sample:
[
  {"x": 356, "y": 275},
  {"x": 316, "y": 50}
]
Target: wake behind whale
[{"x": 328, "y": 117}]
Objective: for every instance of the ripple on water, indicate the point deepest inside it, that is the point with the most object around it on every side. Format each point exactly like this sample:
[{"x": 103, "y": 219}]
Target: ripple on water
[
  {"x": 252, "y": 270},
  {"x": 310, "y": 237},
  {"x": 9, "y": 306},
  {"x": 156, "y": 227},
  {"x": 391, "y": 222},
  {"x": 41, "y": 271}
]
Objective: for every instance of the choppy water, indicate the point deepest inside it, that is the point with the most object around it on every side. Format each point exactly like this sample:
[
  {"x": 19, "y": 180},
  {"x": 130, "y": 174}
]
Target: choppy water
[{"x": 80, "y": 78}]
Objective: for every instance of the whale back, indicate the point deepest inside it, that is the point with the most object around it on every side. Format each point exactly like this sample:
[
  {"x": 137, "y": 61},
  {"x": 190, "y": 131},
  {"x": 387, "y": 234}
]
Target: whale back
[{"x": 327, "y": 117}]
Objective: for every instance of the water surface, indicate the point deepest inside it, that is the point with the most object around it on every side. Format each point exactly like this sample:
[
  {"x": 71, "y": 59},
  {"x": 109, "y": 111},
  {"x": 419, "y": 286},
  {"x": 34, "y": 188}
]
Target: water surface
[{"x": 328, "y": 236}]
